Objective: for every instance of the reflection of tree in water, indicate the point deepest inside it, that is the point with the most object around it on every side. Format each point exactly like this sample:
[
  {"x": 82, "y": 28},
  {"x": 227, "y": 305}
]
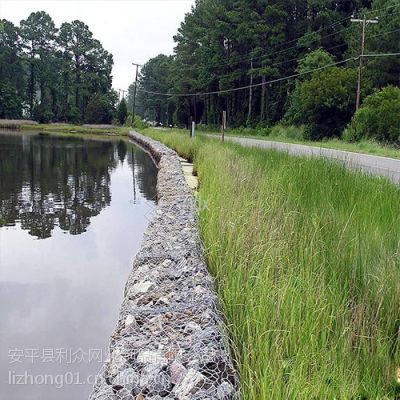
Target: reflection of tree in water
[
  {"x": 48, "y": 181},
  {"x": 145, "y": 172}
]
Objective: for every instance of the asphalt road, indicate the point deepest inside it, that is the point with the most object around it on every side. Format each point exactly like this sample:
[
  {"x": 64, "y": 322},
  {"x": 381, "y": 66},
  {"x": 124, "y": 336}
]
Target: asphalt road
[{"x": 376, "y": 165}]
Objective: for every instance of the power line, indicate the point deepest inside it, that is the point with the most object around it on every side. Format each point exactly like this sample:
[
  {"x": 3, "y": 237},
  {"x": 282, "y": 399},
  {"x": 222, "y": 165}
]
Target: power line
[
  {"x": 381, "y": 55},
  {"x": 296, "y": 58},
  {"x": 285, "y": 61},
  {"x": 382, "y": 8},
  {"x": 247, "y": 86},
  {"x": 266, "y": 82},
  {"x": 384, "y": 33},
  {"x": 240, "y": 59}
]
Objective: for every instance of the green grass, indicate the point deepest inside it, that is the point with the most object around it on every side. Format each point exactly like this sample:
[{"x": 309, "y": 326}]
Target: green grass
[
  {"x": 292, "y": 134},
  {"x": 69, "y": 128},
  {"x": 306, "y": 260}
]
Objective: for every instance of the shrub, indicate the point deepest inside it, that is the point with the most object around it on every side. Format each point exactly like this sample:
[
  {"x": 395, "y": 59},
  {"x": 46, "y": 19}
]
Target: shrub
[
  {"x": 74, "y": 115},
  {"x": 316, "y": 59},
  {"x": 325, "y": 103},
  {"x": 288, "y": 131},
  {"x": 99, "y": 110},
  {"x": 378, "y": 118},
  {"x": 42, "y": 113},
  {"x": 138, "y": 123}
]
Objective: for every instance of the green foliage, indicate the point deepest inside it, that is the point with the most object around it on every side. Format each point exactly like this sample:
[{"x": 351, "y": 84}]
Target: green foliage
[
  {"x": 89, "y": 64},
  {"x": 41, "y": 113},
  {"x": 378, "y": 118},
  {"x": 52, "y": 72},
  {"x": 229, "y": 44},
  {"x": 317, "y": 59},
  {"x": 280, "y": 131},
  {"x": 12, "y": 80},
  {"x": 74, "y": 115},
  {"x": 155, "y": 76},
  {"x": 380, "y": 38},
  {"x": 38, "y": 34},
  {"x": 324, "y": 104},
  {"x": 138, "y": 123},
  {"x": 10, "y": 103},
  {"x": 122, "y": 112},
  {"x": 99, "y": 110}
]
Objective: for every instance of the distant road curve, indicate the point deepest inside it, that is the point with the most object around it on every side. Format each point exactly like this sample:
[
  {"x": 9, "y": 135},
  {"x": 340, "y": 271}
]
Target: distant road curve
[{"x": 376, "y": 165}]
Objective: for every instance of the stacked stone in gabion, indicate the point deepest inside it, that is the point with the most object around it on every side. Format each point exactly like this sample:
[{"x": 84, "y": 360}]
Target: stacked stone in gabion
[{"x": 170, "y": 341}]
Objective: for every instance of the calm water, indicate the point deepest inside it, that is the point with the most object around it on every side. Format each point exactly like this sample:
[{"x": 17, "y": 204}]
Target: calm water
[{"x": 72, "y": 216}]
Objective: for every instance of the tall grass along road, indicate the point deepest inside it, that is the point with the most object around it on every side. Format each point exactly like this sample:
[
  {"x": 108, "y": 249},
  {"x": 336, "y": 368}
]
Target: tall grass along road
[
  {"x": 305, "y": 255},
  {"x": 376, "y": 165}
]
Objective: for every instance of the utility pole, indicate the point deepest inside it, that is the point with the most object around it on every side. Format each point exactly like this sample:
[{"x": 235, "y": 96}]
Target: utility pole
[
  {"x": 223, "y": 126},
  {"x": 134, "y": 93},
  {"x": 250, "y": 92},
  {"x": 364, "y": 23}
]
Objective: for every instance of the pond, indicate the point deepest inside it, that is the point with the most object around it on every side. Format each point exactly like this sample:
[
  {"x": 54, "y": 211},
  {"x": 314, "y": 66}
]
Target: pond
[{"x": 72, "y": 216}]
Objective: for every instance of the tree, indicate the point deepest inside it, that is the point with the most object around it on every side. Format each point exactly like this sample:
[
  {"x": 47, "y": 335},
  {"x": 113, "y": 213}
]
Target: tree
[
  {"x": 122, "y": 112},
  {"x": 383, "y": 37},
  {"x": 90, "y": 64},
  {"x": 38, "y": 34},
  {"x": 317, "y": 59},
  {"x": 99, "y": 110},
  {"x": 312, "y": 61},
  {"x": 378, "y": 117},
  {"x": 10, "y": 103},
  {"x": 12, "y": 82},
  {"x": 324, "y": 103},
  {"x": 155, "y": 76},
  {"x": 51, "y": 73}
]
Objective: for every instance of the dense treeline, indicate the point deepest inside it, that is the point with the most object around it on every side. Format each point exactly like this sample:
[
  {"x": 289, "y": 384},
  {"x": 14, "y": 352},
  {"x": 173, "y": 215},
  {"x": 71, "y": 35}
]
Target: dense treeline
[
  {"x": 54, "y": 74},
  {"x": 227, "y": 44}
]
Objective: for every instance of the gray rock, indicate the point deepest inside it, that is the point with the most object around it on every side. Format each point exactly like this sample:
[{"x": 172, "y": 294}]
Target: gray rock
[
  {"x": 128, "y": 378},
  {"x": 178, "y": 372},
  {"x": 117, "y": 362},
  {"x": 124, "y": 394},
  {"x": 192, "y": 382},
  {"x": 139, "y": 288},
  {"x": 154, "y": 380},
  {"x": 130, "y": 320}
]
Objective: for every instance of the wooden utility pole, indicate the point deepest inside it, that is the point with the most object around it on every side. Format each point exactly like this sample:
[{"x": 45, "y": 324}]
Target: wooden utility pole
[
  {"x": 364, "y": 23},
  {"x": 134, "y": 92},
  {"x": 250, "y": 92},
  {"x": 223, "y": 124}
]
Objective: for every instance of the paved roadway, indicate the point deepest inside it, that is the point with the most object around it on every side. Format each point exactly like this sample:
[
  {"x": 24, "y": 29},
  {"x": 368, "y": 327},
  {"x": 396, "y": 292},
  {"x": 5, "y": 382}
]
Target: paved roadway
[{"x": 389, "y": 167}]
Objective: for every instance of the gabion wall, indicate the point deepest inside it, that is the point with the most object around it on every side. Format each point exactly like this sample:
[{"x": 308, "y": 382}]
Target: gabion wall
[{"x": 170, "y": 341}]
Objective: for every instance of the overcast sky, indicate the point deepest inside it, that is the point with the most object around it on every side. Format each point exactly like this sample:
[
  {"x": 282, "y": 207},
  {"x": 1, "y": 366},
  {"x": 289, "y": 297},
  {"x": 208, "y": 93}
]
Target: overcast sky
[{"x": 132, "y": 30}]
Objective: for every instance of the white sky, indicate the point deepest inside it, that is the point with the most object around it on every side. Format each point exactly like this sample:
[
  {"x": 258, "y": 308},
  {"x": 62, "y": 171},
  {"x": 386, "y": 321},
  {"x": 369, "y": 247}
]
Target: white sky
[{"x": 132, "y": 30}]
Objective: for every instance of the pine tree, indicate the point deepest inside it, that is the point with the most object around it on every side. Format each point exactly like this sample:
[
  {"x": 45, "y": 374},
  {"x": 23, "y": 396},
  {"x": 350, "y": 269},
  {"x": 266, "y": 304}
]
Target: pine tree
[{"x": 122, "y": 112}]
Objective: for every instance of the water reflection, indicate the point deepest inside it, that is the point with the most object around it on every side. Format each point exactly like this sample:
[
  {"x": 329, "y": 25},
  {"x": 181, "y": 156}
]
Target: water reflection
[
  {"x": 57, "y": 181},
  {"x": 62, "y": 293}
]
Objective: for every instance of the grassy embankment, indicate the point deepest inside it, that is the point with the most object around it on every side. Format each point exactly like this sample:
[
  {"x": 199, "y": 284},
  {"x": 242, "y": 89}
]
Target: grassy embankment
[
  {"x": 66, "y": 129},
  {"x": 306, "y": 260},
  {"x": 292, "y": 134},
  {"x": 80, "y": 129}
]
